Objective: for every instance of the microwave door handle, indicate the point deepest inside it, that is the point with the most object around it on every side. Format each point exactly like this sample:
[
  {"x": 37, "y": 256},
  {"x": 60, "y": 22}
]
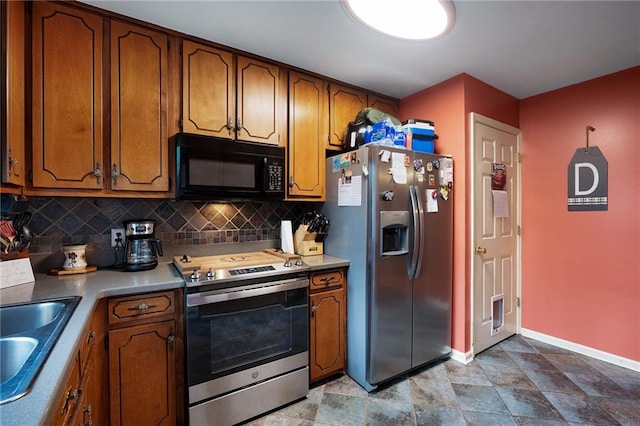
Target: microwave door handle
[
  {"x": 206, "y": 298},
  {"x": 422, "y": 232},
  {"x": 416, "y": 232}
]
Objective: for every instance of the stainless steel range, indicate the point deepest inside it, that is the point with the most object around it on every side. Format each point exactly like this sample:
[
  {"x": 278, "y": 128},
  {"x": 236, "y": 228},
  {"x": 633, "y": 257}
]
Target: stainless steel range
[{"x": 247, "y": 334}]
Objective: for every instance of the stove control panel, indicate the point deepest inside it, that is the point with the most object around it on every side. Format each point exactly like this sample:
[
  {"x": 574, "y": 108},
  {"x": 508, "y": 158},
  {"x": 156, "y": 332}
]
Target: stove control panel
[{"x": 251, "y": 270}]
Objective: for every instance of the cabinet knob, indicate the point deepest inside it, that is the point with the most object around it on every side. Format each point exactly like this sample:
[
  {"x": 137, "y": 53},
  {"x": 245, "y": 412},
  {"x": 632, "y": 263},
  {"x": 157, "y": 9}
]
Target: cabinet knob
[
  {"x": 13, "y": 162},
  {"x": 239, "y": 124},
  {"x": 97, "y": 172},
  {"x": 291, "y": 182},
  {"x": 229, "y": 124},
  {"x": 313, "y": 309},
  {"x": 171, "y": 339},
  {"x": 115, "y": 172},
  {"x": 481, "y": 250},
  {"x": 91, "y": 335}
]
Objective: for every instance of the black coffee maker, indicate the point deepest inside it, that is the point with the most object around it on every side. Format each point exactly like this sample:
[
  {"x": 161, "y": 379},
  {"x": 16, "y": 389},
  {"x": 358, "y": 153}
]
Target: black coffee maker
[{"x": 141, "y": 248}]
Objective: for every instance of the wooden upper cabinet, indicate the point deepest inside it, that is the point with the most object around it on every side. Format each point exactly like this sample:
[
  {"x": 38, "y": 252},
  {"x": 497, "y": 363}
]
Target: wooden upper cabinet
[
  {"x": 386, "y": 105},
  {"x": 12, "y": 104},
  {"x": 208, "y": 91},
  {"x": 67, "y": 97},
  {"x": 308, "y": 132},
  {"x": 230, "y": 97},
  {"x": 139, "y": 109},
  {"x": 344, "y": 104},
  {"x": 259, "y": 106}
]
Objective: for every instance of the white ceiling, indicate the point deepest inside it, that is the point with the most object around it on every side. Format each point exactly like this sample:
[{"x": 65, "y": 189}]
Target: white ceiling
[{"x": 520, "y": 47}]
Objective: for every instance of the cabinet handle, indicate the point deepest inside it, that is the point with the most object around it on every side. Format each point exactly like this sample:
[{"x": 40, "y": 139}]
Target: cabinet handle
[
  {"x": 313, "y": 309},
  {"x": 97, "y": 172},
  {"x": 229, "y": 124},
  {"x": 90, "y": 336},
  {"x": 291, "y": 182},
  {"x": 239, "y": 124},
  {"x": 141, "y": 307},
  {"x": 87, "y": 410},
  {"x": 326, "y": 279},
  {"x": 171, "y": 339},
  {"x": 71, "y": 396},
  {"x": 115, "y": 172},
  {"x": 13, "y": 162}
]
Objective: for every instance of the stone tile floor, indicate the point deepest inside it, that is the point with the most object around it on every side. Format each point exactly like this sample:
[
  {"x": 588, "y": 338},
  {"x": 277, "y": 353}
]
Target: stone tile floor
[{"x": 517, "y": 382}]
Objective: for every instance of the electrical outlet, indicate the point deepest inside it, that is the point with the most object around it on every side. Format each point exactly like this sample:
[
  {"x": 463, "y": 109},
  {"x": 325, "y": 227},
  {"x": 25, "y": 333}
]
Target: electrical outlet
[{"x": 117, "y": 235}]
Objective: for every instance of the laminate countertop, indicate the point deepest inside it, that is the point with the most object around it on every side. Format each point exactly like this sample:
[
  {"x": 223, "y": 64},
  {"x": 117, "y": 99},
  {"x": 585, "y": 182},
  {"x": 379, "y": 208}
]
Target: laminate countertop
[{"x": 36, "y": 407}]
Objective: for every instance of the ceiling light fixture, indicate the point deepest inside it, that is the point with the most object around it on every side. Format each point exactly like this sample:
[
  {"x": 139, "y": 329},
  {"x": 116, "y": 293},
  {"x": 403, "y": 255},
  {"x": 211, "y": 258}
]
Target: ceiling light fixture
[{"x": 406, "y": 19}]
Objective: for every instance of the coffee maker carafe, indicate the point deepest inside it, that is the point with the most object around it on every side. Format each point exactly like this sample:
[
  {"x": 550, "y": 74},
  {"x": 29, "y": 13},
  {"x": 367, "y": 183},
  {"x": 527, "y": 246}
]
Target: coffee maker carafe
[{"x": 141, "y": 248}]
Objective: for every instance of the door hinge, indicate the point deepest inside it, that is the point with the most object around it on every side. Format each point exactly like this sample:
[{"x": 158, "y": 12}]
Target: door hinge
[
  {"x": 518, "y": 230},
  {"x": 181, "y": 123},
  {"x": 31, "y": 176},
  {"x": 519, "y": 157},
  {"x": 168, "y": 45},
  {"x": 180, "y": 49},
  {"x": 518, "y": 302}
]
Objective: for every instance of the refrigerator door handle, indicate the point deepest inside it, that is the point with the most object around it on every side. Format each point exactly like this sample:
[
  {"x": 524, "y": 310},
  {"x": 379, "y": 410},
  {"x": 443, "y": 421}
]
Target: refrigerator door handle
[
  {"x": 422, "y": 231},
  {"x": 416, "y": 231}
]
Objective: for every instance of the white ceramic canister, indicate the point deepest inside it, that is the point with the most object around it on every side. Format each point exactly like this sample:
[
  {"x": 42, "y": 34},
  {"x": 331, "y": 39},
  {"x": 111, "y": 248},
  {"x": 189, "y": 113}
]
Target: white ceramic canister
[{"x": 74, "y": 256}]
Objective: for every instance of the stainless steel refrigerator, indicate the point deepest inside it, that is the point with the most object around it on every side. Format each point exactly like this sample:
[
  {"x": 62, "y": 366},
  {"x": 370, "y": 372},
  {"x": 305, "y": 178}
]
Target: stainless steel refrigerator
[{"x": 391, "y": 213}]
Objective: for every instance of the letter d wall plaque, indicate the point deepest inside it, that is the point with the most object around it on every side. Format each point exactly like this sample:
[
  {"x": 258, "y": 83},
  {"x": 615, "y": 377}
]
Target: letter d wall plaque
[{"x": 587, "y": 176}]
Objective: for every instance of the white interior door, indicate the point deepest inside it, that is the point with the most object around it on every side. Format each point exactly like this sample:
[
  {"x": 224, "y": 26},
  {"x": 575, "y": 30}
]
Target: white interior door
[{"x": 495, "y": 233}]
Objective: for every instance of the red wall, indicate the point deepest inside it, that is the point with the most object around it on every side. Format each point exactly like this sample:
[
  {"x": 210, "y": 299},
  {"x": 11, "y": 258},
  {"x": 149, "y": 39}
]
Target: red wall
[
  {"x": 448, "y": 104},
  {"x": 581, "y": 270}
]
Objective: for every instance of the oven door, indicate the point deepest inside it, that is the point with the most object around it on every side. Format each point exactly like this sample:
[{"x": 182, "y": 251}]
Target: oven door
[{"x": 237, "y": 333}]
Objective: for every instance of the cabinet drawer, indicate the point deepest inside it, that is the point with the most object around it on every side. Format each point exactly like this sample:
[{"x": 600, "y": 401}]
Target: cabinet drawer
[
  {"x": 131, "y": 308},
  {"x": 322, "y": 280}
]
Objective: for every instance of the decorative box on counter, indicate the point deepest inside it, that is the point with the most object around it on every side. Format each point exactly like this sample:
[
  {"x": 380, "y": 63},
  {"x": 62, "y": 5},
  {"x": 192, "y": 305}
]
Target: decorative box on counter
[{"x": 308, "y": 243}]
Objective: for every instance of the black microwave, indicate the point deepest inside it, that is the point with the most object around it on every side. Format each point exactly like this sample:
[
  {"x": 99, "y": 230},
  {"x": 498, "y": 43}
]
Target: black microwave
[{"x": 216, "y": 169}]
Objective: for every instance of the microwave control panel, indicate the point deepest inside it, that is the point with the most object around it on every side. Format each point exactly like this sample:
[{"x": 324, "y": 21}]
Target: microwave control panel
[{"x": 275, "y": 176}]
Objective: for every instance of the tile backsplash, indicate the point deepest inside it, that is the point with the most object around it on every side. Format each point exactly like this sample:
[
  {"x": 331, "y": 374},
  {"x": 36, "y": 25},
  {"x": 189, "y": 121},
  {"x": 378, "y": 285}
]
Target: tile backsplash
[{"x": 57, "y": 221}]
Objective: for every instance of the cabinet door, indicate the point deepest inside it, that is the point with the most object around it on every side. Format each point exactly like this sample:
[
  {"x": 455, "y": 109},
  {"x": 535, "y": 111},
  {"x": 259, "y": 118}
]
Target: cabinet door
[
  {"x": 308, "y": 122},
  {"x": 67, "y": 97},
  {"x": 387, "y": 105},
  {"x": 139, "y": 139},
  {"x": 258, "y": 94},
  {"x": 328, "y": 333},
  {"x": 344, "y": 104},
  {"x": 208, "y": 91},
  {"x": 142, "y": 365},
  {"x": 70, "y": 397},
  {"x": 13, "y": 92}
]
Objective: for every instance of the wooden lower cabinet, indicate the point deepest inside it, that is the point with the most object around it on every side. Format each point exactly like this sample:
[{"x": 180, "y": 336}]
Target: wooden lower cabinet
[
  {"x": 142, "y": 363},
  {"x": 84, "y": 400},
  {"x": 328, "y": 324},
  {"x": 144, "y": 351}
]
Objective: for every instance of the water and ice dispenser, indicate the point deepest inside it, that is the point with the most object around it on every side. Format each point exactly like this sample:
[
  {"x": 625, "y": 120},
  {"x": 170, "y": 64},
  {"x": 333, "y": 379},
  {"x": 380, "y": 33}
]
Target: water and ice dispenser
[{"x": 394, "y": 232}]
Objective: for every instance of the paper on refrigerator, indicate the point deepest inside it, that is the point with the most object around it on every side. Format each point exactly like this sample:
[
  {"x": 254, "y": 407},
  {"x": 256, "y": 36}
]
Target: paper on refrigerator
[{"x": 350, "y": 191}]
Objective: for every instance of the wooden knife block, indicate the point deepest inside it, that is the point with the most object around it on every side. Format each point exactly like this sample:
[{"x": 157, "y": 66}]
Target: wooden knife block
[{"x": 305, "y": 242}]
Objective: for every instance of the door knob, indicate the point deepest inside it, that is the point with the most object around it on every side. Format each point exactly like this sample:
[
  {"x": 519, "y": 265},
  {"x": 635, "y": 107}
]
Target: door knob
[{"x": 481, "y": 250}]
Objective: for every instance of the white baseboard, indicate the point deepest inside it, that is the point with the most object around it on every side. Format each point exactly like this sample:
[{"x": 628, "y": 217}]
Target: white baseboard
[
  {"x": 462, "y": 357},
  {"x": 581, "y": 349}
]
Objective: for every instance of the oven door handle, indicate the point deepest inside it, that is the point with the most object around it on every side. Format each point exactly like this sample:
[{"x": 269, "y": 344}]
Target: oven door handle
[{"x": 198, "y": 299}]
